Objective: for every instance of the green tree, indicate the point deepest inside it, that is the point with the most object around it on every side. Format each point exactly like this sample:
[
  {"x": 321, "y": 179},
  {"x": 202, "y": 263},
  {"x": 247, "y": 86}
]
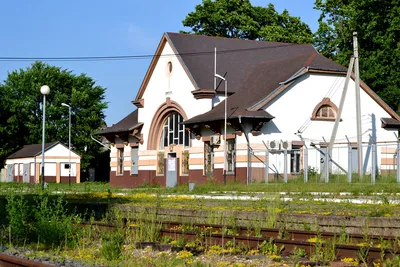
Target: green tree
[
  {"x": 239, "y": 19},
  {"x": 21, "y": 110},
  {"x": 378, "y": 26}
]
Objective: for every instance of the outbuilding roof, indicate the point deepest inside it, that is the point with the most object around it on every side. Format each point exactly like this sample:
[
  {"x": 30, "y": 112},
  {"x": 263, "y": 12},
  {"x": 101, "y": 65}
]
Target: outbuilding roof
[{"x": 29, "y": 151}]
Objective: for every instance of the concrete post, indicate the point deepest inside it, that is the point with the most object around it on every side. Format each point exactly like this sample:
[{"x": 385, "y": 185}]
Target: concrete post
[
  {"x": 373, "y": 158},
  {"x": 327, "y": 161},
  {"x": 350, "y": 164},
  {"x": 398, "y": 161},
  {"x": 266, "y": 166},
  {"x": 305, "y": 164},
  {"x": 285, "y": 172}
]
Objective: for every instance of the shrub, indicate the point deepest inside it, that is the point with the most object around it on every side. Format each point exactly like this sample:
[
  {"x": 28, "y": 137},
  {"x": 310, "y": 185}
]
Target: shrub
[
  {"x": 54, "y": 226},
  {"x": 111, "y": 244},
  {"x": 18, "y": 216}
]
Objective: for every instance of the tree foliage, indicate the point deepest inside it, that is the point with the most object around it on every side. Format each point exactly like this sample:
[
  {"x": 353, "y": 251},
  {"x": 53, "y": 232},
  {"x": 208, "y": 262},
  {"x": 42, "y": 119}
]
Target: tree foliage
[
  {"x": 239, "y": 19},
  {"x": 21, "y": 110},
  {"x": 378, "y": 26}
]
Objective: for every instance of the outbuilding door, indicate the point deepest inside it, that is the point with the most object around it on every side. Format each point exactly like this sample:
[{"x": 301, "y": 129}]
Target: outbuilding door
[
  {"x": 26, "y": 173},
  {"x": 172, "y": 173},
  {"x": 10, "y": 172}
]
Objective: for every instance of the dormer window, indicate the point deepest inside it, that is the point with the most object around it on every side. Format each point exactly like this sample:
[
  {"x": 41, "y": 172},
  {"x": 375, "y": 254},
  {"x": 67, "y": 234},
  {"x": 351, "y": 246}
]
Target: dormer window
[{"x": 325, "y": 110}]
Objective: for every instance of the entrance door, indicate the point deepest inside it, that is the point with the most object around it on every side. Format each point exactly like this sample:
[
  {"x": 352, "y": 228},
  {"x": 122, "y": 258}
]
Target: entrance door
[
  {"x": 10, "y": 172},
  {"x": 172, "y": 173},
  {"x": 26, "y": 173},
  {"x": 134, "y": 159}
]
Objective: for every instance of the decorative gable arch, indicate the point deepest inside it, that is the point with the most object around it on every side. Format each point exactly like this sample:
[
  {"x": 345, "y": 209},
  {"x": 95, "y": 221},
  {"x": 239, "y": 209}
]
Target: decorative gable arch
[
  {"x": 162, "y": 113},
  {"x": 325, "y": 110}
]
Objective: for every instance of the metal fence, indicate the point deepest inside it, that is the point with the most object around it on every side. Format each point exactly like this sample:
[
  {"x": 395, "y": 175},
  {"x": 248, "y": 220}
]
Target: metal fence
[{"x": 316, "y": 162}]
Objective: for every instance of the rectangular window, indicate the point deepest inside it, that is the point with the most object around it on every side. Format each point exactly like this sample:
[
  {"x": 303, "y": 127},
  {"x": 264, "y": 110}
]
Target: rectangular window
[
  {"x": 231, "y": 155},
  {"x": 185, "y": 162},
  {"x": 134, "y": 161},
  {"x": 208, "y": 159},
  {"x": 187, "y": 137},
  {"x": 160, "y": 163},
  {"x": 120, "y": 161}
]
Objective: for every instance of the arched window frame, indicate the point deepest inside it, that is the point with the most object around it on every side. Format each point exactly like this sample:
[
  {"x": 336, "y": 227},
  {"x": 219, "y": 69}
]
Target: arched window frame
[
  {"x": 325, "y": 103},
  {"x": 174, "y": 132},
  {"x": 158, "y": 121}
]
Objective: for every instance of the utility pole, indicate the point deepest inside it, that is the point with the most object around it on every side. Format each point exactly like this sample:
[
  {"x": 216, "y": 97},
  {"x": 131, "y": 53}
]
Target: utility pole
[
  {"x": 358, "y": 106},
  {"x": 342, "y": 99}
]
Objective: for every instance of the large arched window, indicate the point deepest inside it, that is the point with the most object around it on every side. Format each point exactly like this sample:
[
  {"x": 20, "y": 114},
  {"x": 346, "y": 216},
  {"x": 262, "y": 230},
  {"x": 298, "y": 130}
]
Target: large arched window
[{"x": 173, "y": 131}]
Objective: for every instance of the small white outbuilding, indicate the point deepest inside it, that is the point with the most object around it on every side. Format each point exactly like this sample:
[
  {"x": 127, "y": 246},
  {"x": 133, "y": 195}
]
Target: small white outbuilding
[{"x": 25, "y": 164}]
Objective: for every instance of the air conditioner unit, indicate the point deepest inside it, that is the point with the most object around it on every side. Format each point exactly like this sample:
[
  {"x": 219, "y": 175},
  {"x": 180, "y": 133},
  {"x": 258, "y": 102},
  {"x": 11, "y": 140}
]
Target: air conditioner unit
[
  {"x": 274, "y": 145},
  {"x": 286, "y": 145},
  {"x": 215, "y": 140}
]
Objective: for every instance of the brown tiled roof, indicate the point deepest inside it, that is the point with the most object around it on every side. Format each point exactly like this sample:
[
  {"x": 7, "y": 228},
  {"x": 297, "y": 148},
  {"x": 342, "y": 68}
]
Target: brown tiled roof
[
  {"x": 28, "y": 151},
  {"x": 261, "y": 82},
  {"x": 253, "y": 69},
  {"x": 127, "y": 124},
  {"x": 236, "y": 58}
]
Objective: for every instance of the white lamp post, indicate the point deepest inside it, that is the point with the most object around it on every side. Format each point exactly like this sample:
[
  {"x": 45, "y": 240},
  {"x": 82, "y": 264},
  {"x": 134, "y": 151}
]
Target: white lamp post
[
  {"x": 69, "y": 140},
  {"x": 45, "y": 90},
  {"x": 226, "y": 100}
]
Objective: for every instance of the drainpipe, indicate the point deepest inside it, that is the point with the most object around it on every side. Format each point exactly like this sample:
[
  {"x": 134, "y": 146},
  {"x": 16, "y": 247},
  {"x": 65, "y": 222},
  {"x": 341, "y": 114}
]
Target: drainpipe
[
  {"x": 99, "y": 142},
  {"x": 248, "y": 151}
]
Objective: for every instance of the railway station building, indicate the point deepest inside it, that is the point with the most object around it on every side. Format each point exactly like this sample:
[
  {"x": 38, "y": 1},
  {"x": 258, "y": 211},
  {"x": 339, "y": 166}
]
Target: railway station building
[{"x": 281, "y": 97}]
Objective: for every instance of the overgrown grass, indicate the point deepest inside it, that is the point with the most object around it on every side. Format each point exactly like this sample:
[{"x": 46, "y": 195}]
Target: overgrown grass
[
  {"x": 384, "y": 183},
  {"x": 46, "y": 222}
]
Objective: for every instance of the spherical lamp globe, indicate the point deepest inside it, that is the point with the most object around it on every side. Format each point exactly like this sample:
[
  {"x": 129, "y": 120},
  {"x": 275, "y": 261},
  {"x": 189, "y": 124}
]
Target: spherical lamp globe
[{"x": 45, "y": 90}]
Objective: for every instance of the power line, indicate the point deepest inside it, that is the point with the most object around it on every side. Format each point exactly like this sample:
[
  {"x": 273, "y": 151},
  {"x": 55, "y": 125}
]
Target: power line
[{"x": 135, "y": 57}]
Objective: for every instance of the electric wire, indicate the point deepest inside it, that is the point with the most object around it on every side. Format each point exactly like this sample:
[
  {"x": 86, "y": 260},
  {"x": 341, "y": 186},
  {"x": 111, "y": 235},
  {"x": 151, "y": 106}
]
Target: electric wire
[{"x": 137, "y": 57}]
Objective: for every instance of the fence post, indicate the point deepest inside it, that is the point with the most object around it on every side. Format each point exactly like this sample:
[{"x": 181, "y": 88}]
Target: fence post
[
  {"x": 327, "y": 162},
  {"x": 305, "y": 164},
  {"x": 285, "y": 176},
  {"x": 398, "y": 161},
  {"x": 266, "y": 166},
  {"x": 373, "y": 158},
  {"x": 327, "y": 166},
  {"x": 349, "y": 160}
]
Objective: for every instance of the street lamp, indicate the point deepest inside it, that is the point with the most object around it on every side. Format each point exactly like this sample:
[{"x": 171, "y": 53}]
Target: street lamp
[
  {"x": 69, "y": 140},
  {"x": 45, "y": 90},
  {"x": 226, "y": 100}
]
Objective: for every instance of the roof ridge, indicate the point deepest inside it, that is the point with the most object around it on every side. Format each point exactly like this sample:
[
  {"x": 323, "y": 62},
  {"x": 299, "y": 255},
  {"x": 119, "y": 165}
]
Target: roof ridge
[{"x": 231, "y": 38}]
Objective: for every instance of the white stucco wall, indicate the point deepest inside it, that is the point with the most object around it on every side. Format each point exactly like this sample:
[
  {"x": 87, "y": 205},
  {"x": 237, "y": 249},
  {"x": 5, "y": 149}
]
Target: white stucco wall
[
  {"x": 293, "y": 109},
  {"x": 61, "y": 151}
]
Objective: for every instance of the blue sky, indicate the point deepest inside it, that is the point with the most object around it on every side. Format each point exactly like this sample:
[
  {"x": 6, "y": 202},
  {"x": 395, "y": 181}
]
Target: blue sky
[{"x": 49, "y": 28}]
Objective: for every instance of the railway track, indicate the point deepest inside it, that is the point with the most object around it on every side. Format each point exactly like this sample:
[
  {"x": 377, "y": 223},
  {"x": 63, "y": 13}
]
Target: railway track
[
  {"x": 276, "y": 233},
  {"x": 12, "y": 261},
  {"x": 371, "y": 246},
  {"x": 371, "y": 254}
]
